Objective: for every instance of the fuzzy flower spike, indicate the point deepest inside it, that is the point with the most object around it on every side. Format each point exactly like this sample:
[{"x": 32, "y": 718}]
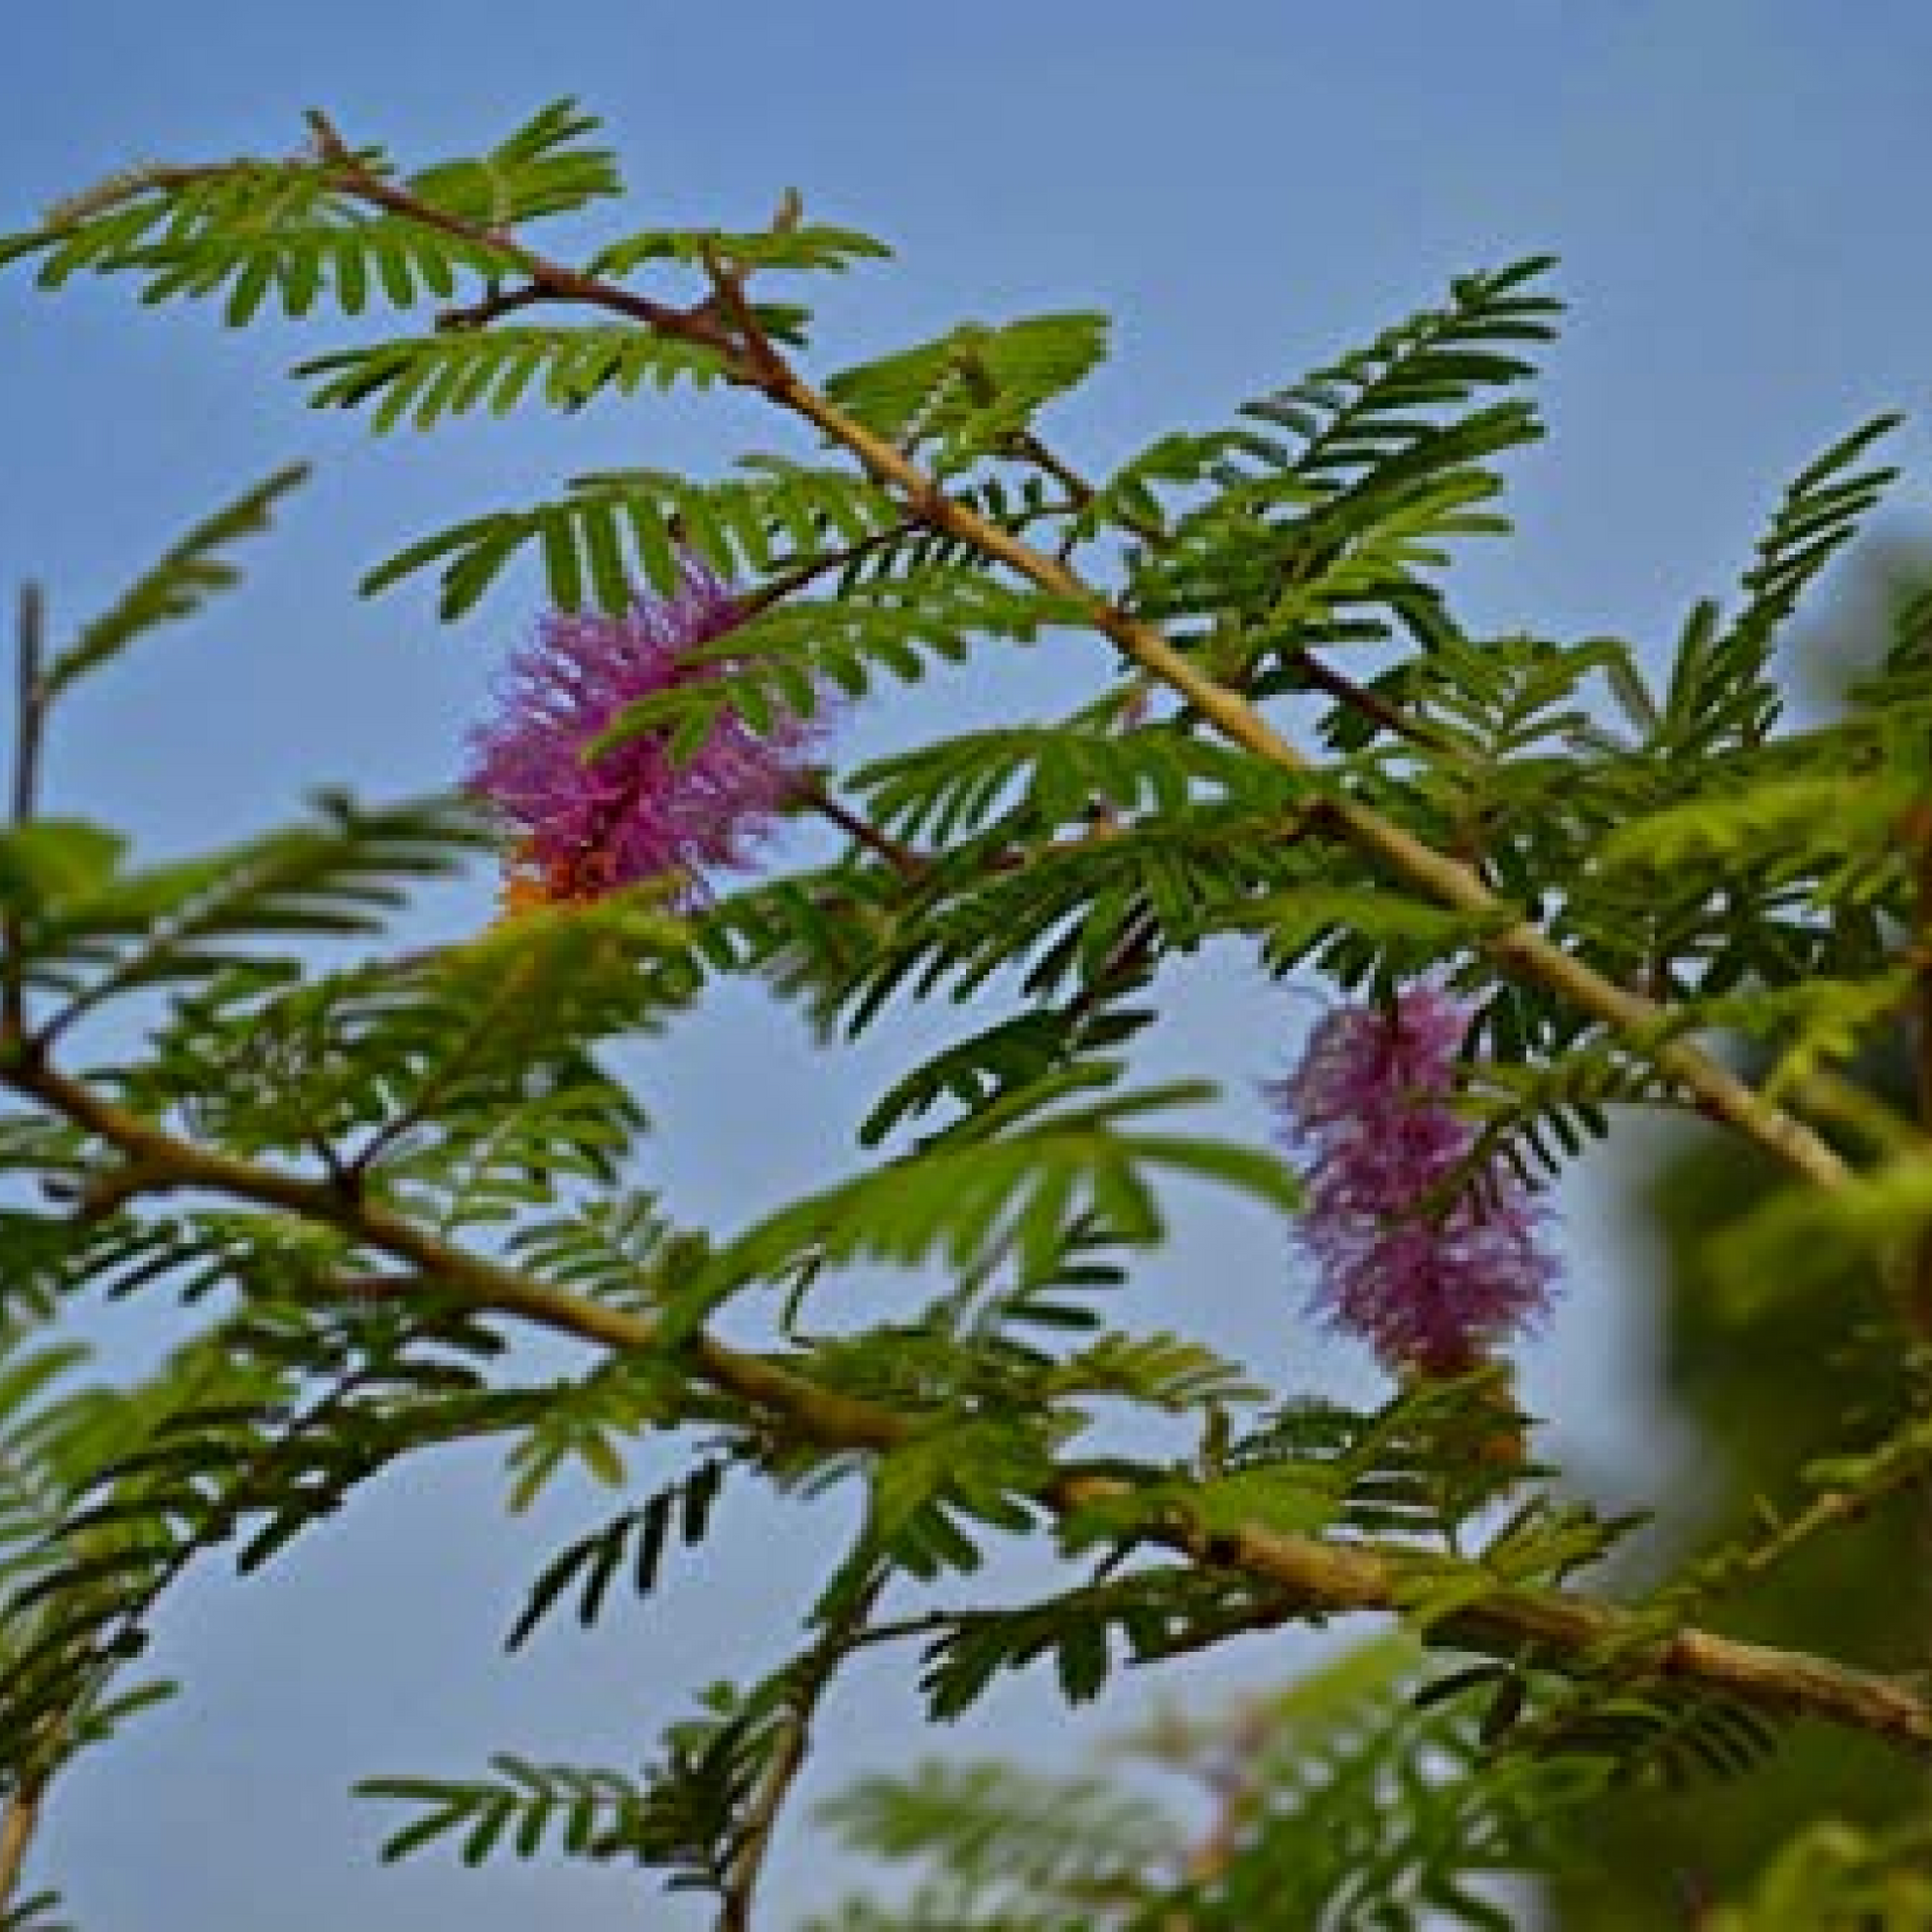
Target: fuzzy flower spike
[
  {"x": 1429, "y": 1289},
  {"x": 586, "y": 827}
]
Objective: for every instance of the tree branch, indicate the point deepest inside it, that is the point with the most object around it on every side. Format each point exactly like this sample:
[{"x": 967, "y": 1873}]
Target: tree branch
[
  {"x": 549, "y": 280},
  {"x": 1319, "y": 1580},
  {"x": 18, "y": 1824},
  {"x": 1560, "y": 1629},
  {"x": 1519, "y": 947}
]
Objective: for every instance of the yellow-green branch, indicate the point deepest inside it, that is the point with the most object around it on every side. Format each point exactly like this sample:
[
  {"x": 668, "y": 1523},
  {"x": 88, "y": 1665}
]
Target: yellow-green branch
[
  {"x": 1559, "y": 1628},
  {"x": 725, "y": 325}
]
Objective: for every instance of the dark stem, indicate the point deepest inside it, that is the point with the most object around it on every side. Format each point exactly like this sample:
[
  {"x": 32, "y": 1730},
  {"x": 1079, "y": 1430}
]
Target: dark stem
[
  {"x": 31, "y": 698},
  {"x": 1345, "y": 690},
  {"x": 30, "y": 724},
  {"x": 728, "y": 299},
  {"x": 814, "y": 1679},
  {"x": 494, "y": 306},
  {"x": 903, "y": 859},
  {"x": 777, "y": 589},
  {"x": 549, "y": 281}
]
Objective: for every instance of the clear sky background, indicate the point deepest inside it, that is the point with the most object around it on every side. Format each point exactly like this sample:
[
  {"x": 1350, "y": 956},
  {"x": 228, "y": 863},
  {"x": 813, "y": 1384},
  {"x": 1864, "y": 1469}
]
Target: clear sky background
[{"x": 1737, "y": 190}]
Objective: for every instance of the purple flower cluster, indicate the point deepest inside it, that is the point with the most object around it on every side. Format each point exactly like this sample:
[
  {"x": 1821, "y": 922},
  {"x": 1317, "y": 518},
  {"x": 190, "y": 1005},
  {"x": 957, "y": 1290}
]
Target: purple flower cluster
[
  {"x": 586, "y": 827},
  {"x": 1429, "y": 1288}
]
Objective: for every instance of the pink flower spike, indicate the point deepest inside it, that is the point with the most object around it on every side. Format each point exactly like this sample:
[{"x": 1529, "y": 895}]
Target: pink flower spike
[
  {"x": 588, "y": 827},
  {"x": 1429, "y": 1288}
]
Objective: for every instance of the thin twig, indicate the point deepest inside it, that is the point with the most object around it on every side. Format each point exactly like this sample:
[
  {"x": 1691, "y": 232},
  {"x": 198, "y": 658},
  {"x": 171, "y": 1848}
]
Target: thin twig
[
  {"x": 728, "y": 300},
  {"x": 1358, "y": 697},
  {"x": 904, "y": 859},
  {"x": 776, "y": 590},
  {"x": 30, "y": 730},
  {"x": 810, "y": 1683},
  {"x": 549, "y": 280},
  {"x": 466, "y": 316},
  {"x": 31, "y": 696}
]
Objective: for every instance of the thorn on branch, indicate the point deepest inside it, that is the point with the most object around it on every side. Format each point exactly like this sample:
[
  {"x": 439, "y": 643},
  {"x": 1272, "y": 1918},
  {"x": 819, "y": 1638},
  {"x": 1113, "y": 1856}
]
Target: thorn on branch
[
  {"x": 766, "y": 368},
  {"x": 328, "y": 145}
]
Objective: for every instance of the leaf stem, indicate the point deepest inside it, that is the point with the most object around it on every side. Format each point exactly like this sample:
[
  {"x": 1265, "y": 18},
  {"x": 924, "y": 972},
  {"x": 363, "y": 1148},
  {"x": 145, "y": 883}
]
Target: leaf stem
[
  {"x": 903, "y": 859},
  {"x": 549, "y": 280}
]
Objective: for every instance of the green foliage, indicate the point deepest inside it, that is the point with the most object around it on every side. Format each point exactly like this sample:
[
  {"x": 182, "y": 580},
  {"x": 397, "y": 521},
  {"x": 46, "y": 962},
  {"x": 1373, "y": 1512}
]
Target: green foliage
[
  {"x": 971, "y": 393},
  {"x": 1419, "y": 1466},
  {"x": 590, "y": 1565},
  {"x": 617, "y": 531},
  {"x": 1028, "y": 779},
  {"x": 1719, "y": 691},
  {"x": 358, "y": 1175},
  {"x": 1015, "y": 1175},
  {"x": 999, "y": 1832},
  {"x": 796, "y": 655},
  {"x": 91, "y": 932},
  {"x": 1300, "y": 1834},
  {"x": 244, "y": 231},
  {"x": 426, "y": 380},
  {"x": 1834, "y": 1879},
  {"x": 1319, "y": 537},
  {"x": 789, "y": 244},
  {"x": 594, "y": 1812},
  {"x": 1139, "y": 1618},
  {"x": 460, "y": 1083},
  {"x": 176, "y": 586},
  {"x": 541, "y": 170},
  {"x": 685, "y": 1814},
  {"x": 257, "y": 1432}
]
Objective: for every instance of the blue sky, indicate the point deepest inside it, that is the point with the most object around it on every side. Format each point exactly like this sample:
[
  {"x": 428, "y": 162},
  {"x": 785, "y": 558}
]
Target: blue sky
[{"x": 1735, "y": 191}]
